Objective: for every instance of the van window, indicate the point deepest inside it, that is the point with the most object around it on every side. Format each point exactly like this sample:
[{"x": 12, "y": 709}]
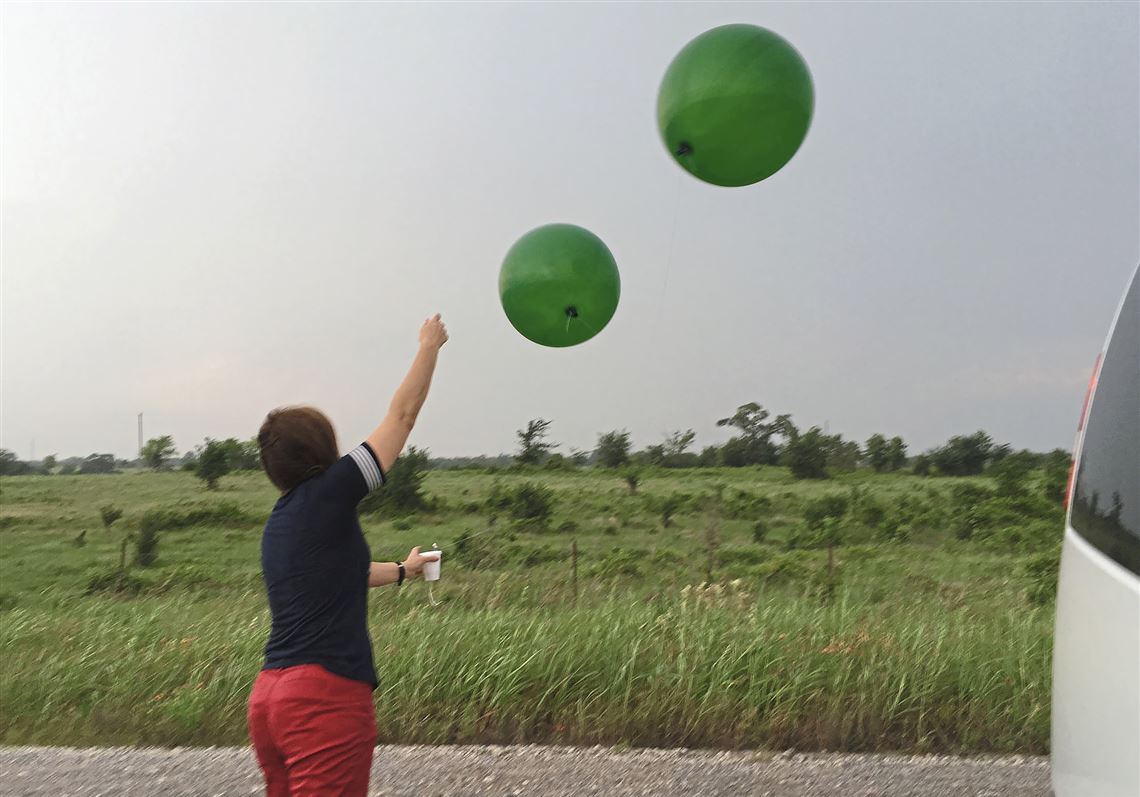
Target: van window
[{"x": 1106, "y": 494}]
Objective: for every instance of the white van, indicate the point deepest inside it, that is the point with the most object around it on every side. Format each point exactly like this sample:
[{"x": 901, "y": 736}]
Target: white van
[{"x": 1096, "y": 651}]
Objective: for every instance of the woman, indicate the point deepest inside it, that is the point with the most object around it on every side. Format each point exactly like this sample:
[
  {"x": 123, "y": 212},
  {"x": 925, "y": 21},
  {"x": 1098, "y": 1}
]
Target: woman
[{"x": 310, "y": 713}]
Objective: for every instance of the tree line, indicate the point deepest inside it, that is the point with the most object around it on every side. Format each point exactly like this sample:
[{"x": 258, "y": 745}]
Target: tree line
[
  {"x": 210, "y": 460},
  {"x": 760, "y": 439}
]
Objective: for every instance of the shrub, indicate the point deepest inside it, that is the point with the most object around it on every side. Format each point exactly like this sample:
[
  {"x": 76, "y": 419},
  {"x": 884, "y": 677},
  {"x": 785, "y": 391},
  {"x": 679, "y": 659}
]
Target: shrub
[
  {"x": 784, "y": 568},
  {"x": 619, "y": 562},
  {"x": 109, "y": 514},
  {"x": 871, "y": 513},
  {"x": 403, "y": 487},
  {"x": 114, "y": 581},
  {"x": 669, "y": 506},
  {"x": 1012, "y": 473},
  {"x": 222, "y": 513},
  {"x": 532, "y": 502},
  {"x": 632, "y": 479},
  {"x": 759, "y": 531},
  {"x": 740, "y": 505},
  {"x": 965, "y": 500},
  {"x": 499, "y": 499},
  {"x": 829, "y": 505},
  {"x": 668, "y": 557},
  {"x": 796, "y": 537},
  {"x": 540, "y": 555},
  {"x": 1041, "y": 571},
  {"x": 213, "y": 463},
  {"x": 475, "y": 550},
  {"x": 891, "y": 530},
  {"x": 1023, "y": 535},
  {"x": 558, "y": 462},
  {"x": 402, "y": 524},
  {"x": 742, "y": 556},
  {"x": 146, "y": 546}
]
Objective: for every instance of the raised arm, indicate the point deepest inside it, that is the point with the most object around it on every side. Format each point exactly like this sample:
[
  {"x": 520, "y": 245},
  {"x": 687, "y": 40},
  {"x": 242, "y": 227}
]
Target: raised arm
[{"x": 388, "y": 439}]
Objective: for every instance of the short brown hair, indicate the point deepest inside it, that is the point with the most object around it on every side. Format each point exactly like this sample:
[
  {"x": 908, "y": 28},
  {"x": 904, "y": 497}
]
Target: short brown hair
[{"x": 296, "y": 443}]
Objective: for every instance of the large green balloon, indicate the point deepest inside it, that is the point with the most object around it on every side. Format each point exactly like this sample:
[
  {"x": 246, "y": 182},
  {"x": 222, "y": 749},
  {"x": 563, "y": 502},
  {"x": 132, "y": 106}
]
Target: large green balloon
[
  {"x": 735, "y": 105},
  {"x": 559, "y": 285}
]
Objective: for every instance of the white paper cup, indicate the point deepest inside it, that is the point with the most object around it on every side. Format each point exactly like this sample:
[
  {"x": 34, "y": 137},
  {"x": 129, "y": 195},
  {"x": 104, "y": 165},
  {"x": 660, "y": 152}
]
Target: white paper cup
[{"x": 431, "y": 567}]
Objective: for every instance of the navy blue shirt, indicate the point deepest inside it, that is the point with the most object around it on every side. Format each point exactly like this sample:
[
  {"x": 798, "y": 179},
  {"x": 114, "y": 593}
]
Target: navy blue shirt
[{"x": 315, "y": 562}]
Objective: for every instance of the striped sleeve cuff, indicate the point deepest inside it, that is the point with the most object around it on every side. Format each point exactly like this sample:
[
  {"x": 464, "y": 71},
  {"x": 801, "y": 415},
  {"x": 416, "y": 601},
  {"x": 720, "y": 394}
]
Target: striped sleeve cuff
[{"x": 365, "y": 459}]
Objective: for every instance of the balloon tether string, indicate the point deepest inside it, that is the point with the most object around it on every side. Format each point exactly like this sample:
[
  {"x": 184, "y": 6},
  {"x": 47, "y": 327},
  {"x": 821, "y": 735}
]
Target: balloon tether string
[{"x": 572, "y": 315}]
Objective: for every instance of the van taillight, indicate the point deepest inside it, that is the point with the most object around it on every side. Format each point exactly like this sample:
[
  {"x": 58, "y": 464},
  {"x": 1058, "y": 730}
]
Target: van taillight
[{"x": 1081, "y": 429}]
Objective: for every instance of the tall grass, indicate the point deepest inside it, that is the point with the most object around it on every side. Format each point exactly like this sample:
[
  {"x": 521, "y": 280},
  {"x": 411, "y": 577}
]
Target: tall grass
[
  {"x": 921, "y": 640},
  {"x": 712, "y": 667}
]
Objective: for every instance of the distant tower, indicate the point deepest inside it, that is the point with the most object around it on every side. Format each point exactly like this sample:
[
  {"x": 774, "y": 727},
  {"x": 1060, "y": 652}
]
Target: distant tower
[{"x": 140, "y": 435}]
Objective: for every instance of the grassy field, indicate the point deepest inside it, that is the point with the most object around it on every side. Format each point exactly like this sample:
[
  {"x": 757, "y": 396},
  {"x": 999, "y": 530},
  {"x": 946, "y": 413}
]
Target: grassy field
[{"x": 931, "y": 633}]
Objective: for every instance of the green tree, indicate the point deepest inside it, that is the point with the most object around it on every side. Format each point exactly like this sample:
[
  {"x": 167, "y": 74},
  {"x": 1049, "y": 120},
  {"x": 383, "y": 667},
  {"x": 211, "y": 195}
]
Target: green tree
[
  {"x": 675, "y": 450},
  {"x": 157, "y": 451},
  {"x": 921, "y": 465},
  {"x": 652, "y": 455},
  {"x": 613, "y": 449},
  {"x": 883, "y": 454},
  {"x": 677, "y": 443},
  {"x": 10, "y": 464},
  {"x": 963, "y": 455},
  {"x": 403, "y": 488},
  {"x": 533, "y": 447},
  {"x": 896, "y": 453},
  {"x": 49, "y": 463},
  {"x": 842, "y": 455},
  {"x": 213, "y": 463},
  {"x": 578, "y": 458},
  {"x": 1012, "y": 473},
  {"x": 754, "y": 445},
  {"x": 98, "y": 463},
  {"x": 709, "y": 457},
  {"x": 806, "y": 455},
  {"x": 241, "y": 454},
  {"x": 877, "y": 453}
]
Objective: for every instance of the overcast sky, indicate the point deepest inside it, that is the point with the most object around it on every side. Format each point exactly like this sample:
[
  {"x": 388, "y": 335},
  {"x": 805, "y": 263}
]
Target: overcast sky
[{"x": 212, "y": 210}]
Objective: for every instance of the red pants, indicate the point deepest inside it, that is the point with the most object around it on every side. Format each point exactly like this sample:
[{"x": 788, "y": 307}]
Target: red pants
[{"x": 313, "y": 732}]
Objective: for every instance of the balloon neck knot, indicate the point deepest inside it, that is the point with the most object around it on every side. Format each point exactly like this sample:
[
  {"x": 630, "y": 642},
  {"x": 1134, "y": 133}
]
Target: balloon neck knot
[
  {"x": 684, "y": 148},
  {"x": 571, "y": 312}
]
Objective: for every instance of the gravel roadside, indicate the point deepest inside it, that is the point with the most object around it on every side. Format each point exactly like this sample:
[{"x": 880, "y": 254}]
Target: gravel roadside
[{"x": 524, "y": 770}]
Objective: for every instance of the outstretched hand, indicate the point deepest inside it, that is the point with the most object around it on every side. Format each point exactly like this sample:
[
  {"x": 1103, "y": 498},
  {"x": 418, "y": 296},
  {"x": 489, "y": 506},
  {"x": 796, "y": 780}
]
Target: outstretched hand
[{"x": 433, "y": 333}]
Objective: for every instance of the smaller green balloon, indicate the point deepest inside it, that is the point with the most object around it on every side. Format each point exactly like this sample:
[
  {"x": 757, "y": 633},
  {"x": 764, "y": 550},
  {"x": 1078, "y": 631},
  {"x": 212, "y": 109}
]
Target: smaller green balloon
[
  {"x": 559, "y": 285},
  {"x": 735, "y": 105}
]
